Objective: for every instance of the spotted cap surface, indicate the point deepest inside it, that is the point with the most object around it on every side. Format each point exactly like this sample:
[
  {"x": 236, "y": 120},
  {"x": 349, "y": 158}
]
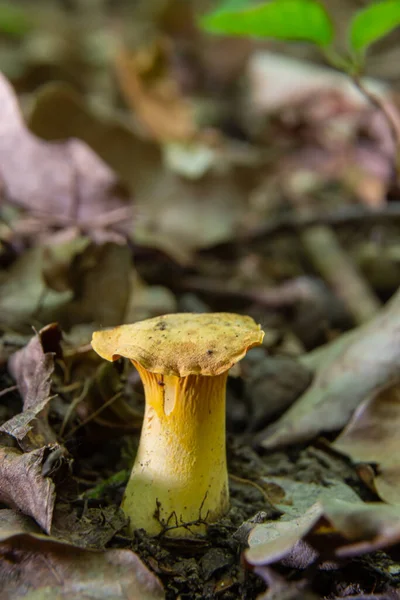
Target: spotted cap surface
[{"x": 182, "y": 343}]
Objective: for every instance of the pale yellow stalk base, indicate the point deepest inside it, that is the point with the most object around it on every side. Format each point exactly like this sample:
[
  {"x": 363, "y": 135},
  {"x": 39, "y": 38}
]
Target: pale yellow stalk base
[{"x": 180, "y": 474}]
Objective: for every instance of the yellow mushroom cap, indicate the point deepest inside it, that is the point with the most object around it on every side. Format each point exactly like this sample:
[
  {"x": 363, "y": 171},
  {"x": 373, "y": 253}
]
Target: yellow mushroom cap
[{"x": 182, "y": 343}]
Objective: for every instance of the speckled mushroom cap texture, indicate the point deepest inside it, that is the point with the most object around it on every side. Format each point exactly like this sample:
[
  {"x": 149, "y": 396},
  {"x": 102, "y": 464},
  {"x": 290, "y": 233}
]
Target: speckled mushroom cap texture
[{"x": 182, "y": 343}]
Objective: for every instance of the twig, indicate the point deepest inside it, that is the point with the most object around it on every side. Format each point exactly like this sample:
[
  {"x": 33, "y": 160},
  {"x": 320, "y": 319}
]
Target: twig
[
  {"x": 294, "y": 222},
  {"x": 277, "y": 297},
  {"x": 381, "y": 106},
  {"x": 252, "y": 483},
  {"x": 73, "y": 406},
  {"x": 94, "y": 414},
  {"x": 337, "y": 268},
  {"x": 7, "y": 390}
]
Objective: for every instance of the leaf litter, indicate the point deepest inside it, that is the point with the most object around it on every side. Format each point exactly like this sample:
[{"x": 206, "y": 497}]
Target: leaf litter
[{"x": 125, "y": 213}]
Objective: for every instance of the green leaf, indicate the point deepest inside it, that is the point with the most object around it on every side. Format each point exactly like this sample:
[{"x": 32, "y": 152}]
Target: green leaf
[
  {"x": 13, "y": 20},
  {"x": 304, "y": 20},
  {"x": 373, "y": 22}
]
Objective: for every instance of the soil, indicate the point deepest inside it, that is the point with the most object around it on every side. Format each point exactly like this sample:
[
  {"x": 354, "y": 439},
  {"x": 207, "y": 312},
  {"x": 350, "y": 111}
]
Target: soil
[{"x": 213, "y": 567}]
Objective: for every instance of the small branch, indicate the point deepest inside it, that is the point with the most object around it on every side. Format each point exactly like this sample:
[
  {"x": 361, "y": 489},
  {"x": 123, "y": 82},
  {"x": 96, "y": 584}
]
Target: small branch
[
  {"x": 7, "y": 390},
  {"x": 337, "y": 268},
  {"x": 381, "y": 106},
  {"x": 94, "y": 414}
]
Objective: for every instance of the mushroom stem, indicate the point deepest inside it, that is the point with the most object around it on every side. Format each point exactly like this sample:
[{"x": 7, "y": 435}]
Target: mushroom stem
[{"x": 180, "y": 474}]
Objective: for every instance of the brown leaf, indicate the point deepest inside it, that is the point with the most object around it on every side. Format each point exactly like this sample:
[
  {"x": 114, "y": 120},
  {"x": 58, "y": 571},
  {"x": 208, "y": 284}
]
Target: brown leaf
[
  {"x": 23, "y": 487},
  {"x": 32, "y": 368},
  {"x": 330, "y": 528},
  {"x": 365, "y": 527},
  {"x": 92, "y": 530},
  {"x": 63, "y": 182},
  {"x": 152, "y": 93},
  {"x": 272, "y": 384},
  {"x": 101, "y": 279},
  {"x": 24, "y": 424},
  {"x": 21, "y": 290},
  {"x": 46, "y": 568},
  {"x": 372, "y": 436},
  {"x": 348, "y": 370},
  {"x": 169, "y": 207},
  {"x": 59, "y": 112}
]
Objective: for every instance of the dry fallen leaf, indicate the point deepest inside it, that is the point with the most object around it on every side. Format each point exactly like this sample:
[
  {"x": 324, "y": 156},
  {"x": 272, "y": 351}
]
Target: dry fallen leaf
[
  {"x": 21, "y": 290},
  {"x": 169, "y": 208},
  {"x": 63, "y": 182},
  {"x": 372, "y": 436},
  {"x": 348, "y": 370},
  {"x": 271, "y": 385},
  {"x": 153, "y": 94},
  {"x": 59, "y": 112},
  {"x": 23, "y": 486},
  {"x": 331, "y": 529},
  {"x": 101, "y": 278},
  {"x": 47, "y": 569},
  {"x": 64, "y": 281},
  {"x": 32, "y": 368},
  {"x": 280, "y": 540}
]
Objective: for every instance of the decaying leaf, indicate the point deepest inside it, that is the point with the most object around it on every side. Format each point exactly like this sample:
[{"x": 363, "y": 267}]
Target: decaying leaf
[
  {"x": 103, "y": 272},
  {"x": 21, "y": 290},
  {"x": 32, "y": 368},
  {"x": 23, "y": 486},
  {"x": 59, "y": 112},
  {"x": 63, "y": 182},
  {"x": 169, "y": 208},
  {"x": 63, "y": 282},
  {"x": 153, "y": 94},
  {"x": 348, "y": 371},
  {"x": 27, "y": 429},
  {"x": 284, "y": 540},
  {"x": 331, "y": 529},
  {"x": 271, "y": 385},
  {"x": 92, "y": 530},
  {"x": 47, "y": 569},
  {"x": 372, "y": 436},
  {"x": 300, "y": 496}
]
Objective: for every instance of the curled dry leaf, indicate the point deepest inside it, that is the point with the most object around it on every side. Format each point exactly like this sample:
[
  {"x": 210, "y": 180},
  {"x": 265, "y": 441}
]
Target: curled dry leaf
[
  {"x": 64, "y": 282},
  {"x": 32, "y": 368},
  {"x": 150, "y": 90},
  {"x": 348, "y": 370},
  {"x": 331, "y": 529},
  {"x": 365, "y": 527},
  {"x": 52, "y": 570},
  {"x": 372, "y": 436},
  {"x": 27, "y": 429},
  {"x": 23, "y": 487},
  {"x": 280, "y": 540},
  {"x": 64, "y": 182}
]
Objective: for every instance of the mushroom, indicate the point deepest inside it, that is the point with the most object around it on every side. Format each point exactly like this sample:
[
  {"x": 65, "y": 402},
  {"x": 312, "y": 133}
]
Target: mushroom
[{"x": 180, "y": 474}]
